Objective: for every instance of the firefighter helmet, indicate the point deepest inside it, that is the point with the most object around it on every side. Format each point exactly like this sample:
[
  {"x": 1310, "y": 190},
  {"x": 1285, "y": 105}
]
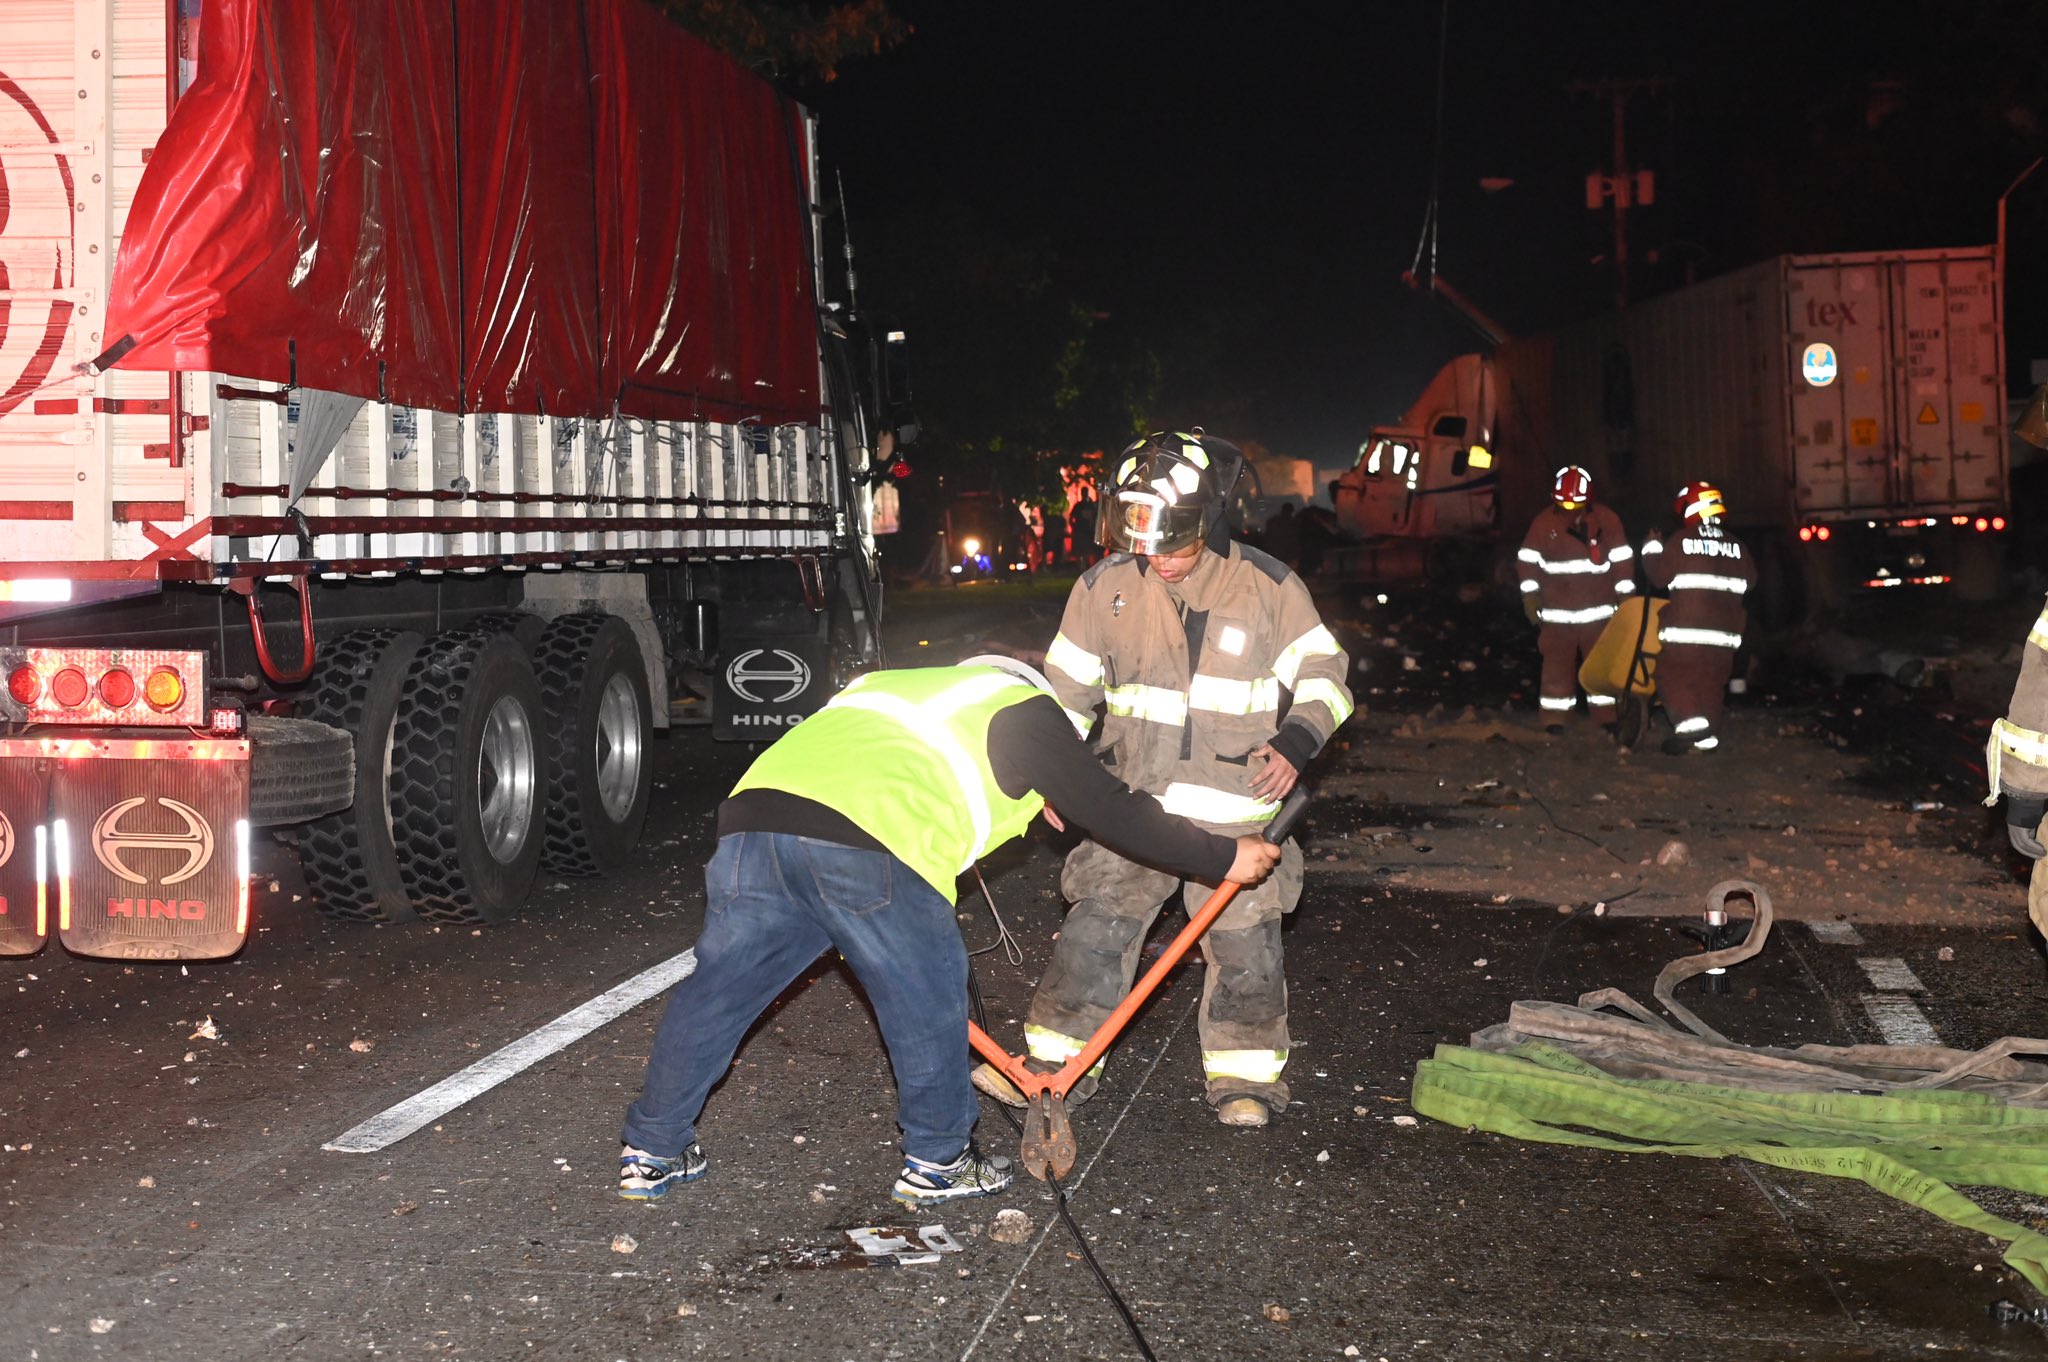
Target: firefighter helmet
[
  {"x": 1699, "y": 501},
  {"x": 1163, "y": 496},
  {"x": 1572, "y": 488}
]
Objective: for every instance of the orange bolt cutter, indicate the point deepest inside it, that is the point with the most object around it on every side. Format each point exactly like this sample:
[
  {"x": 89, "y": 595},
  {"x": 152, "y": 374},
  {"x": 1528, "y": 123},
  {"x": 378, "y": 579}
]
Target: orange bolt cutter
[{"x": 1048, "y": 1134}]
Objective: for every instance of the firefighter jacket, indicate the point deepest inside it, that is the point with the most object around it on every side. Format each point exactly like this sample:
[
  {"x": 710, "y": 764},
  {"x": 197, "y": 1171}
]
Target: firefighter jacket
[
  {"x": 1707, "y": 575},
  {"x": 2016, "y": 758},
  {"x": 1576, "y": 564},
  {"x": 1192, "y": 677}
]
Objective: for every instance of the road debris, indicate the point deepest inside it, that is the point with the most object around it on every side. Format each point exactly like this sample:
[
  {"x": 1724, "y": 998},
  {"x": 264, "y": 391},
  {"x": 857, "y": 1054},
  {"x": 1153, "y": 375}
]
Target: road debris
[
  {"x": 624, "y": 1243},
  {"x": 1674, "y": 852},
  {"x": 206, "y": 1030},
  {"x": 1011, "y": 1226},
  {"x": 362, "y": 1047}
]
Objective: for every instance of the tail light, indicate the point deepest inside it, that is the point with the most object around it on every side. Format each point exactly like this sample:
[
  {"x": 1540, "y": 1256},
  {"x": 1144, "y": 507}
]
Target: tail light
[
  {"x": 1998, "y": 522},
  {"x": 1981, "y": 524},
  {"x": 101, "y": 686}
]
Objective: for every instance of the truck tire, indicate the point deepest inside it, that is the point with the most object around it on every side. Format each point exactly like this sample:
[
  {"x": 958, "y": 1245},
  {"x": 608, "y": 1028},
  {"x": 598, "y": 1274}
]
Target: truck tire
[
  {"x": 467, "y": 778},
  {"x": 348, "y": 858},
  {"x": 522, "y": 628},
  {"x": 298, "y": 770},
  {"x": 593, "y": 687}
]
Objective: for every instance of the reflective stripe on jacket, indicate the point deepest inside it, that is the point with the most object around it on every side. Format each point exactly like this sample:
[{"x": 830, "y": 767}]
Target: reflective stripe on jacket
[
  {"x": 2016, "y": 757},
  {"x": 1577, "y": 564},
  {"x": 1707, "y": 574}
]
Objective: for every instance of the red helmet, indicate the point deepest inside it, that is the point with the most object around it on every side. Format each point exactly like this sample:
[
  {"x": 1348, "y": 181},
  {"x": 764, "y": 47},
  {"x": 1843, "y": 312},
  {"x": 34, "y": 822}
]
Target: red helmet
[
  {"x": 1572, "y": 488},
  {"x": 1699, "y": 501}
]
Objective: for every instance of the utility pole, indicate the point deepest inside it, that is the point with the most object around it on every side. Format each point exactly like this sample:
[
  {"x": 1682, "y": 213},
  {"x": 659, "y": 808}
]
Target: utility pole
[{"x": 1623, "y": 187}]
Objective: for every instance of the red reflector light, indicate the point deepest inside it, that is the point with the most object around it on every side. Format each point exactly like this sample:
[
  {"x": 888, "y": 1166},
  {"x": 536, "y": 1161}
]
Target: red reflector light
[
  {"x": 117, "y": 689},
  {"x": 1823, "y": 533},
  {"x": 1805, "y": 534},
  {"x": 1982, "y": 524},
  {"x": 1998, "y": 522},
  {"x": 69, "y": 688},
  {"x": 24, "y": 685},
  {"x": 164, "y": 689}
]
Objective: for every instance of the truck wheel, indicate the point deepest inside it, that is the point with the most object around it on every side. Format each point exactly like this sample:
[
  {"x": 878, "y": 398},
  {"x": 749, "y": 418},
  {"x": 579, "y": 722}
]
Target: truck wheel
[
  {"x": 467, "y": 778},
  {"x": 593, "y": 688},
  {"x": 297, "y": 770},
  {"x": 348, "y": 857}
]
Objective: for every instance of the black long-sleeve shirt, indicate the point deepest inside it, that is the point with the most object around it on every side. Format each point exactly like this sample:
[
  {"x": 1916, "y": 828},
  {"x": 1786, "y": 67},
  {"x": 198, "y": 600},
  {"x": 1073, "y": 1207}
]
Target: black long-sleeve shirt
[{"x": 1031, "y": 746}]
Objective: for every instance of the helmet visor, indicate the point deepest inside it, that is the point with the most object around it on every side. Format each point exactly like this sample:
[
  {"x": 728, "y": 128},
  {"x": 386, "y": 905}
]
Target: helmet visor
[{"x": 1141, "y": 522}]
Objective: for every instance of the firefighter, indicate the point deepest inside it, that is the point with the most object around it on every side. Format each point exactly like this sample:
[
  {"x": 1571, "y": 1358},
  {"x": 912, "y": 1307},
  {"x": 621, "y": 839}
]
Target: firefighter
[
  {"x": 849, "y": 832},
  {"x": 2016, "y": 759},
  {"x": 1218, "y": 683},
  {"x": 1575, "y": 564},
  {"x": 1706, "y": 575}
]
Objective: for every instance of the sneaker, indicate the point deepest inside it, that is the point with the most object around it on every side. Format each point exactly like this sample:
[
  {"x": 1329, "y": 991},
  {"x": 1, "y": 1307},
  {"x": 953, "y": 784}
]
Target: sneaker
[
  {"x": 972, "y": 1174},
  {"x": 647, "y": 1177}
]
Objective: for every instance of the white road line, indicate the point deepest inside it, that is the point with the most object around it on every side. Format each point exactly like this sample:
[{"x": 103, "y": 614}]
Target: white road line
[
  {"x": 1899, "y": 1020},
  {"x": 1835, "y": 933},
  {"x": 393, "y": 1124},
  {"x": 1892, "y": 975}
]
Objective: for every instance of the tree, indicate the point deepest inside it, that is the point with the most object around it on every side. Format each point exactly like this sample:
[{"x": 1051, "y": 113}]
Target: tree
[{"x": 792, "y": 37}]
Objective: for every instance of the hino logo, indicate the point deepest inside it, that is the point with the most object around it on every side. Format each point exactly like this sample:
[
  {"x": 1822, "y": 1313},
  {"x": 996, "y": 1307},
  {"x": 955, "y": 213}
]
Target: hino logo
[
  {"x": 195, "y": 843},
  {"x": 767, "y": 676},
  {"x": 766, "y": 720}
]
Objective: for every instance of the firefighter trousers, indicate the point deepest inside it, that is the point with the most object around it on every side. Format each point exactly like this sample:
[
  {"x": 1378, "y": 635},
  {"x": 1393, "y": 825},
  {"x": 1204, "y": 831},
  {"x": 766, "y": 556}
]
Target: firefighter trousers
[
  {"x": 1243, "y": 1020},
  {"x": 1692, "y": 681},
  {"x": 1562, "y": 647}
]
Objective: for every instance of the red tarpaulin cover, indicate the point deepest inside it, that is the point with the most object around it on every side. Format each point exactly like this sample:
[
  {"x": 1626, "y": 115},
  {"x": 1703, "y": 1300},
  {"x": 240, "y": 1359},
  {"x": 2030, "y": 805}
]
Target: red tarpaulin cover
[{"x": 495, "y": 205}]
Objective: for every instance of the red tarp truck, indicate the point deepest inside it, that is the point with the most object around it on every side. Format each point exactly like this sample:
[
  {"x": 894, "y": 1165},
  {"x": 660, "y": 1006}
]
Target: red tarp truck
[
  {"x": 1851, "y": 408},
  {"x": 396, "y": 396}
]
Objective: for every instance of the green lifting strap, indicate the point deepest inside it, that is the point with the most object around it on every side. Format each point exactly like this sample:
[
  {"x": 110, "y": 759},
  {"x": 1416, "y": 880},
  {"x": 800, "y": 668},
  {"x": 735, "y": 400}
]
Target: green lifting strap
[{"x": 1911, "y": 1144}]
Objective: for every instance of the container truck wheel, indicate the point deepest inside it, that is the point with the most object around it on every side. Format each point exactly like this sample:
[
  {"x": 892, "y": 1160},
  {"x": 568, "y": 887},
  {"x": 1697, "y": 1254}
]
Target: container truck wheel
[
  {"x": 348, "y": 857},
  {"x": 593, "y": 687},
  {"x": 467, "y": 778}
]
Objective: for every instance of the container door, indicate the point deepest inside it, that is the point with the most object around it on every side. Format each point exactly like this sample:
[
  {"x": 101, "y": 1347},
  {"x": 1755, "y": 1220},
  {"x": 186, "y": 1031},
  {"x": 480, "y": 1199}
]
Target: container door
[
  {"x": 1947, "y": 406},
  {"x": 1844, "y": 432}
]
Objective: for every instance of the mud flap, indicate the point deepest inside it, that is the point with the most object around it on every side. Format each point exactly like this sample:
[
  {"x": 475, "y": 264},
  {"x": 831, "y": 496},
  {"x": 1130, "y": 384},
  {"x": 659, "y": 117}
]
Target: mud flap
[
  {"x": 766, "y": 684},
  {"x": 24, "y": 914},
  {"x": 148, "y": 842}
]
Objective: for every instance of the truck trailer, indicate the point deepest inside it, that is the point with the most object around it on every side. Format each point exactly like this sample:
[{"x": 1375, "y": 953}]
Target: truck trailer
[
  {"x": 1851, "y": 408},
  {"x": 407, "y": 407}
]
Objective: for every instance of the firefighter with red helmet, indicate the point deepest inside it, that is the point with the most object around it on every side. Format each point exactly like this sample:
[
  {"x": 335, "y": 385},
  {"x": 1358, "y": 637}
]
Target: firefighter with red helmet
[
  {"x": 1706, "y": 576},
  {"x": 1576, "y": 565}
]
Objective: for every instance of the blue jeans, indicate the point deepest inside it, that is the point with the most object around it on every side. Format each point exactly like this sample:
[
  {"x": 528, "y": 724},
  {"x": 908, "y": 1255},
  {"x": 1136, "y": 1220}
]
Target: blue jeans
[{"x": 773, "y": 903}]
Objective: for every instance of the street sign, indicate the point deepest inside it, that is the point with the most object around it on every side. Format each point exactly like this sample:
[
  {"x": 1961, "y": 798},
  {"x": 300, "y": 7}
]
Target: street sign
[{"x": 1818, "y": 364}]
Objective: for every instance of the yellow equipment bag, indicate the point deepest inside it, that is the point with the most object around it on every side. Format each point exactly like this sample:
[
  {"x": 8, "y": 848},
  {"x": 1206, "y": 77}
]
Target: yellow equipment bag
[{"x": 1625, "y": 658}]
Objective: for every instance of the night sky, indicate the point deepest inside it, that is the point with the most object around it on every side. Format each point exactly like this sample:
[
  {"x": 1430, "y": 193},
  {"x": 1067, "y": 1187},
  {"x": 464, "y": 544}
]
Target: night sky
[{"x": 1239, "y": 188}]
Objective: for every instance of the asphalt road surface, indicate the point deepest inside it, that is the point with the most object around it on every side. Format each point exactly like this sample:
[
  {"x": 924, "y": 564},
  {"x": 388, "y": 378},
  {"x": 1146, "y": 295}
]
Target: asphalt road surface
[{"x": 169, "y": 1192}]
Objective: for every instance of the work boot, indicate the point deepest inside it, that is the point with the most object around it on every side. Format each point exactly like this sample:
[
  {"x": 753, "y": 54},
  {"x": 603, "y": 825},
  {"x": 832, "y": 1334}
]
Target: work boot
[
  {"x": 1243, "y": 1111},
  {"x": 991, "y": 1080},
  {"x": 972, "y": 1174}
]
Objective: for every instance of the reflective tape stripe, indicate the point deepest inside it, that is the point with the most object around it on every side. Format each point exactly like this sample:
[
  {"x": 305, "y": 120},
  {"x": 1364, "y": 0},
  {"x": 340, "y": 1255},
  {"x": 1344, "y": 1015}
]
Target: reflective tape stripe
[
  {"x": 2008, "y": 739},
  {"x": 1329, "y": 694},
  {"x": 1556, "y": 702},
  {"x": 1712, "y": 638},
  {"x": 1081, "y": 722},
  {"x": 1317, "y": 642},
  {"x": 1708, "y": 581},
  {"x": 1076, "y": 661},
  {"x": 1653, "y": 546},
  {"x": 1253, "y": 1066},
  {"x": 1707, "y": 744},
  {"x": 1528, "y": 556},
  {"x": 1621, "y": 555},
  {"x": 1692, "y": 725},
  {"x": 1599, "y": 701},
  {"x": 1569, "y": 566},
  {"x": 1590, "y": 615},
  {"x": 1211, "y": 805},
  {"x": 1051, "y": 1047},
  {"x": 2038, "y": 635},
  {"x": 1221, "y": 695},
  {"x": 1624, "y": 586},
  {"x": 918, "y": 719},
  {"x": 1531, "y": 585},
  {"x": 1154, "y": 703}
]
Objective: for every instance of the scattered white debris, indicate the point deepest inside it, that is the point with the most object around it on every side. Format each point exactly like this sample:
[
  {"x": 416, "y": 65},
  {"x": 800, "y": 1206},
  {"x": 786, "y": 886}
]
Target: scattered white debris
[
  {"x": 1946, "y": 953},
  {"x": 362, "y": 1047},
  {"x": 1011, "y": 1226},
  {"x": 686, "y": 1309},
  {"x": 207, "y": 1030},
  {"x": 1502, "y": 898},
  {"x": 797, "y": 1139},
  {"x": 1480, "y": 963},
  {"x": 145, "y": 1181},
  {"x": 1674, "y": 852},
  {"x": 1405, "y": 1121},
  {"x": 1278, "y": 1313},
  {"x": 1351, "y": 1350},
  {"x": 1323, "y": 1157},
  {"x": 22, "y": 1053},
  {"x": 624, "y": 1243},
  {"x": 101, "y": 1326}
]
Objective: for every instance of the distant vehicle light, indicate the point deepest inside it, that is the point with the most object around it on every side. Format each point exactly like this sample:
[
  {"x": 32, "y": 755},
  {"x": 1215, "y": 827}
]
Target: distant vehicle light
[
  {"x": 25, "y": 685},
  {"x": 164, "y": 689},
  {"x": 956, "y": 567},
  {"x": 69, "y": 688},
  {"x": 117, "y": 688},
  {"x": 970, "y": 547},
  {"x": 899, "y": 470}
]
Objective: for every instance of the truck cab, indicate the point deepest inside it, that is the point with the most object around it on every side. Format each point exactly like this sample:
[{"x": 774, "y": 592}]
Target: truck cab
[{"x": 1432, "y": 473}]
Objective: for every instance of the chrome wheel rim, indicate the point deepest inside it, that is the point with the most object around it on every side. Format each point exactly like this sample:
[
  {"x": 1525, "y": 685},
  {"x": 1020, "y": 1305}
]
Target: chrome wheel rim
[
  {"x": 618, "y": 739},
  {"x": 505, "y": 770}
]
